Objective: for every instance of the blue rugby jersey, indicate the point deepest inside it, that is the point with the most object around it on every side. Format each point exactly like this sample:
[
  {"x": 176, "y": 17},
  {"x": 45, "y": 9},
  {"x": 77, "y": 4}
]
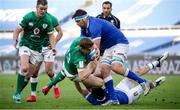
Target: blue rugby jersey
[
  {"x": 122, "y": 98},
  {"x": 102, "y": 29}
]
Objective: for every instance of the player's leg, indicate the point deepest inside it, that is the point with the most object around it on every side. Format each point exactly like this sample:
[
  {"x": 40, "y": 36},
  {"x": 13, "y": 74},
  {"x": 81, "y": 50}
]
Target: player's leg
[
  {"x": 145, "y": 69},
  {"x": 49, "y": 63},
  {"x": 118, "y": 60},
  {"x": 59, "y": 77},
  {"x": 108, "y": 80},
  {"x": 156, "y": 63},
  {"x": 34, "y": 81},
  {"x": 136, "y": 92},
  {"x": 93, "y": 81},
  {"x": 21, "y": 80}
]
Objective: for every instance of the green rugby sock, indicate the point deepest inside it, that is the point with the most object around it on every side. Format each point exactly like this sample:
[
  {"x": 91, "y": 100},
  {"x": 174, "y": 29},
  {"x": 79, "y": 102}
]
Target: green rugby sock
[{"x": 59, "y": 77}]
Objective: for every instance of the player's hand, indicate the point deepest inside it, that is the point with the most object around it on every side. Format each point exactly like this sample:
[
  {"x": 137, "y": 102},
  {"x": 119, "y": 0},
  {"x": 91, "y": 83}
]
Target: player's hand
[
  {"x": 54, "y": 51},
  {"x": 97, "y": 56}
]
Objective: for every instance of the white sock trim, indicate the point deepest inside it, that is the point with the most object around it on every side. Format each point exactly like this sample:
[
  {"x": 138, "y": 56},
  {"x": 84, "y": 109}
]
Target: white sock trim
[
  {"x": 108, "y": 78},
  {"x": 150, "y": 65},
  {"x": 21, "y": 73},
  {"x": 34, "y": 80},
  {"x": 33, "y": 93}
]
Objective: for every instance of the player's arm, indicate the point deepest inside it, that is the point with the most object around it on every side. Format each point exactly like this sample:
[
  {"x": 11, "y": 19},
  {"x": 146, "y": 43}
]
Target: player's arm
[
  {"x": 59, "y": 33},
  {"x": 87, "y": 77},
  {"x": 83, "y": 92},
  {"x": 52, "y": 43},
  {"x": 16, "y": 35},
  {"x": 83, "y": 73}
]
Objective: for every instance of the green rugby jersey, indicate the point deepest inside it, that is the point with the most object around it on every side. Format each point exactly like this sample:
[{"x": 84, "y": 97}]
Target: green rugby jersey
[
  {"x": 35, "y": 30},
  {"x": 74, "y": 58},
  {"x": 54, "y": 24}
]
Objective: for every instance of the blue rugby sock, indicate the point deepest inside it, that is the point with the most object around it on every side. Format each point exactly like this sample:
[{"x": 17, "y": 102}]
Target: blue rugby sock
[
  {"x": 110, "y": 87},
  {"x": 135, "y": 77}
]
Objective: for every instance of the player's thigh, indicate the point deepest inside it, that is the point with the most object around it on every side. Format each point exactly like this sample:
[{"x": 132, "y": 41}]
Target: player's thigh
[
  {"x": 48, "y": 55},
  {"x": 35, "y": 57},
  {"x": 24, "y": 53},
  {"x": 119, "y": 54},
  {"x": 93, "y": 81}
]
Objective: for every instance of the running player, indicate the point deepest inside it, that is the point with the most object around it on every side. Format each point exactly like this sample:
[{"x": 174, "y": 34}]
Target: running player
[
  {"x": 48, "y": 59},
  {"x": 35, "y": 26}
]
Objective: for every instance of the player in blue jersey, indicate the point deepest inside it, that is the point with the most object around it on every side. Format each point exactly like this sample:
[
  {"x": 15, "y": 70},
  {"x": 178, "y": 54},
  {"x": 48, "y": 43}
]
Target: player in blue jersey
[
  {"x": 115, "y": 45},
  {"x": 126, "y": 91}
]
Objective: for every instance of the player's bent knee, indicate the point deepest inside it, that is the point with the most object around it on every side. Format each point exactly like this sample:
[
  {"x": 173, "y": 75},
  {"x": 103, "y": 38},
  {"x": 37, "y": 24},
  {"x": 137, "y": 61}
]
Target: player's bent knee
[{"x": 25, "y": 69}]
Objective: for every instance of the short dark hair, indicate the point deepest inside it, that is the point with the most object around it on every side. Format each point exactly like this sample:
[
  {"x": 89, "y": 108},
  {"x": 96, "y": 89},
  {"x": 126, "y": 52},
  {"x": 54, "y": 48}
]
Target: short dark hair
[
  {"x": 98, "y": 93},
  {"x": 42, "y": 2},
  {"x": 79, "y": 12},
  {"x": 107, "y": 2},
  {"x": 86, "y": 43}
]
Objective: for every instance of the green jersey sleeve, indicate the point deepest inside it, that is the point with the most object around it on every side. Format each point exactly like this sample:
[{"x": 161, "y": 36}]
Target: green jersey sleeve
[
  {"x": 55, "y": 21},
  {"x": 25, "y": 21}
]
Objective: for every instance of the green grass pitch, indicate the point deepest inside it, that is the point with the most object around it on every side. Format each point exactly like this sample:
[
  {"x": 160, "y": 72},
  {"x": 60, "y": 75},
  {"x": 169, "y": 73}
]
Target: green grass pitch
[{"x": 166, "y": 96}]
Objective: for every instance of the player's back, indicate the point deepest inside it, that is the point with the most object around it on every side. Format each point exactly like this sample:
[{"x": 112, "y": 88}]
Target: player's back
[
  {"x": 73, "y": 56},
  {"x": 107, "y": 32}
]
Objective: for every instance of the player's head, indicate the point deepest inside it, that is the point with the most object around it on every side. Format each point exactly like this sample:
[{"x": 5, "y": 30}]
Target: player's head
[
  {"x": 80, "y": 17},
  {"x": 86, "y": 45},
  {"x": 41, "y": 7},
  {"x": 98, "y": 93},
  {"x": 106, "y": 8}
]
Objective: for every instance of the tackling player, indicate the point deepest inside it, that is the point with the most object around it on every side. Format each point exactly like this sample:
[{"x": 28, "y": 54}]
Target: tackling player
[
  {"x": 107, "y": 37},
  {"x": 126, "y": 91},
  {"x": 78, "y": 65}
]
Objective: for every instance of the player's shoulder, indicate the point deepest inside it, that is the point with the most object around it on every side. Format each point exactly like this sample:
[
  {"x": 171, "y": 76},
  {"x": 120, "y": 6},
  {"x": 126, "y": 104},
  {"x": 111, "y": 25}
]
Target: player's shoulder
[
  {"x": 29, "y": 14},
  {"x": 51, "y": 16}
]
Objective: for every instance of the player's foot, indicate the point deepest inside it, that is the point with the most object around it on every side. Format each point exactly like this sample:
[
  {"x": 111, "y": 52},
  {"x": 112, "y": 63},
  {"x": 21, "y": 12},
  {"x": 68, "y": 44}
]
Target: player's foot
[
  {"x": 146, "y": 87},
  {"x": 111, "y": 102},
  {"x": 56, "y": 92},
  {"x": 17, "y": 98},
  {"x": 45, "y": 90},
  {"x": 162, "y": 58},
  {"x": 158, "y": 82},
  {"x": 31, "y": 98}
]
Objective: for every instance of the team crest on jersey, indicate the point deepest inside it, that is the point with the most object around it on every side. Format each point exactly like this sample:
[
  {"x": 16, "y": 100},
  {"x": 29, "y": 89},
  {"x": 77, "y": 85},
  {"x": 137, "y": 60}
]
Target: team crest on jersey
[
  {"x": 30, "y": 24},
  {"x": 36, "y": 31},
  {"x": 45, "y": 26}
]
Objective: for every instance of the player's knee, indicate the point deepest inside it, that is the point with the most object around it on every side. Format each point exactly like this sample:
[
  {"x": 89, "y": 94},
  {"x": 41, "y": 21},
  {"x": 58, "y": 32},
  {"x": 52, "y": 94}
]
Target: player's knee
[{"x": 25, "y": 69}]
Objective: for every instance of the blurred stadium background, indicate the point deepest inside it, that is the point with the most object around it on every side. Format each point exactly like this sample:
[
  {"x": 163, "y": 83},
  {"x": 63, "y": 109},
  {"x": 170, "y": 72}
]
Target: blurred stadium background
[{"x": 152, "y": 27}]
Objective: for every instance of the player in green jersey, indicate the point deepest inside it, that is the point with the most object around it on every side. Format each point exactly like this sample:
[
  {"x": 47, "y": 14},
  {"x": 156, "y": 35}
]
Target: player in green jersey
[
  {"x": 78, "y": 65},
  {"x": 48, "y": 59},
  {"x": 35, "y": 26}
]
